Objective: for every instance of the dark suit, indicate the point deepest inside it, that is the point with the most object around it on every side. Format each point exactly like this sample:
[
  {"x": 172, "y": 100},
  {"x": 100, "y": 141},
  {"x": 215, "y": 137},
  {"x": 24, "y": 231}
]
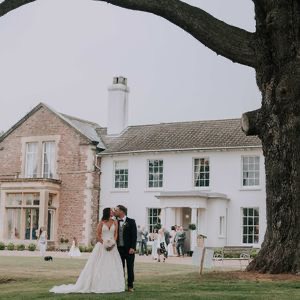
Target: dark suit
[{"x": 129, "y": 239}]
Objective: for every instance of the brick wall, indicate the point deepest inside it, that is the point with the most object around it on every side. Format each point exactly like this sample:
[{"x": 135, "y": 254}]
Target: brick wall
[{"x": 72, "y": 170}]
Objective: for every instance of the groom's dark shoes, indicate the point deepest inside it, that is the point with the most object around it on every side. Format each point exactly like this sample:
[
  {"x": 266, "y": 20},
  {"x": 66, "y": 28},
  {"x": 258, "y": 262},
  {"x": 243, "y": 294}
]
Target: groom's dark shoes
[{"x": 130, "y": 290}]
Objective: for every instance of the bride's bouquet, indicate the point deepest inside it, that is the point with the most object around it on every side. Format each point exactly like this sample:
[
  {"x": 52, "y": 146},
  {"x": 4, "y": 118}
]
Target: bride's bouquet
[{"x": 109, "y": 244}]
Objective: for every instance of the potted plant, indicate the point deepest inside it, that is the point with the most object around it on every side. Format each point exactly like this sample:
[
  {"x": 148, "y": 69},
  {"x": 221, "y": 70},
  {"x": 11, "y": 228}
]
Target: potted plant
[
  {"x": 192, "y": 226},
  {"x": 157, "y": 226}
]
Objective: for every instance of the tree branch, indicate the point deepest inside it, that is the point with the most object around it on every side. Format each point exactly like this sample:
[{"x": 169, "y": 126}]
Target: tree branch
[
  {"x": 9, "y": 5},
  {"x": 250, "y": 122},
  {"x": 231, "y": 42}
]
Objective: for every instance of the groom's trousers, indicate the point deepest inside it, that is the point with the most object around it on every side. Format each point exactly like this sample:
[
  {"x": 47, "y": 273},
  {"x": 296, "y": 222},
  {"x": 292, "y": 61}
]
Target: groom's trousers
[{"x": 129, "y": 259}]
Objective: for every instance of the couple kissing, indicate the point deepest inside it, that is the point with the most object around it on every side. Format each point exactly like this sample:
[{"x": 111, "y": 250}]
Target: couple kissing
[{"x": 104, "y": 270}]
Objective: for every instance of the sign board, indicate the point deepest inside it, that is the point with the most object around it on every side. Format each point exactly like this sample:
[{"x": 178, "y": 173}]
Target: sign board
[{"x": 208, "y": 257}]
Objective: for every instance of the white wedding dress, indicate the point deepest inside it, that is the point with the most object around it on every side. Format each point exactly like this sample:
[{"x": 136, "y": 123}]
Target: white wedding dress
[{"x": 103, "y": 272}]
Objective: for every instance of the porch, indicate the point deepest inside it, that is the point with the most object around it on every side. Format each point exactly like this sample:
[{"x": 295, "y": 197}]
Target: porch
[{"x": 208, "y": 211}]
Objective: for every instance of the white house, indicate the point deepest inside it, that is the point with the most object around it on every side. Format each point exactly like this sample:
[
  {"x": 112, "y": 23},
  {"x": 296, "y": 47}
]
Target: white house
[{"x": 206, "y": 172}]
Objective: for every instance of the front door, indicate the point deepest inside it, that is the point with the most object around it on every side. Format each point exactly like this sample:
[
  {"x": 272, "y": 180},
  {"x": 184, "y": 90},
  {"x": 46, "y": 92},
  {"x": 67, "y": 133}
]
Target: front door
[{"x": 186, "y": 221}]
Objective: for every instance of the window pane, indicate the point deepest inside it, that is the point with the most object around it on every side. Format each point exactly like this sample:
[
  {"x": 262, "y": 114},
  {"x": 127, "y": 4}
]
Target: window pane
[
  {"x": 31, "y": 166},
  {"x": 48, "y": 159},
  {"x": 153, "y": 218},
  {"x": 201, "y": 172},
  {"x": 31, "y": 223},
  {"x": 13, "y": 223},
  {"x": 14, "y": 199},
  {"x": 155, "y": 173},
  {"x": 121, "y": 174},
  {"x": 250, "y": 225},
  {"x": 250, "y": 171}
]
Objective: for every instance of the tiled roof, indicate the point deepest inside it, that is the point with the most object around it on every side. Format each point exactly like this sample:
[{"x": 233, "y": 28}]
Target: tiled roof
[
  {"x": 87, "y": 128},
  {"x": 181, "y": 135}
]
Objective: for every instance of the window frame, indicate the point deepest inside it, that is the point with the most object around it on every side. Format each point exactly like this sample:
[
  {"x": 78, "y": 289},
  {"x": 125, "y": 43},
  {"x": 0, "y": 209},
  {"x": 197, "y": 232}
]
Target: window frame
[
  {"x": 222, "y": 227},
  {"x": 153, "y": 188},
  {"x": 40, "y": 140},
  {"x": 52, "y": 161},
  {"x": 35, "y": 160},
  {"x": 149, "y": 224},
  {"x": 251, "y": 187},
  {"x": 23, "y": 207},
  {"x": 114, "y": 175},
  {"x": 209, "y": 173},
  {"x": 253, "y": 226}
]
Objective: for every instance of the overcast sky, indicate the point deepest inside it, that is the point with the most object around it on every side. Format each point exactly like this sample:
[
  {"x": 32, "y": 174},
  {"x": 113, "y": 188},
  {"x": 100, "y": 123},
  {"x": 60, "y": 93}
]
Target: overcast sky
[{"x": 66, "y": 52}]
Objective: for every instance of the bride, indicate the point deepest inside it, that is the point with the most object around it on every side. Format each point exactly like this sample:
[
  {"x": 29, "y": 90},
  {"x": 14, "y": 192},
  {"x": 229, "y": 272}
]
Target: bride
[{"x": 103, "y": 272}]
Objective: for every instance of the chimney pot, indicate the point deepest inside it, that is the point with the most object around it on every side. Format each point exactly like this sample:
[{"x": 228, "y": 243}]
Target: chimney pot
[{"x": 120, "y": 80}]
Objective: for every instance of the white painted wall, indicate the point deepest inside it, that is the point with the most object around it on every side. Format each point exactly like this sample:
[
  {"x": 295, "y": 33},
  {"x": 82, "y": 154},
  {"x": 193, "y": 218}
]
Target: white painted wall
[{"x": 225, "y": 177}]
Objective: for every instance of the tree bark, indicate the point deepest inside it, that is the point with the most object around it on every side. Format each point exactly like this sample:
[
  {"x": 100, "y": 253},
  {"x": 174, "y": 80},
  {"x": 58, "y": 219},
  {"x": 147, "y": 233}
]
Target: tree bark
[
  {"x": 278, "y": 77},
  {"x": 250, "y": 122}
]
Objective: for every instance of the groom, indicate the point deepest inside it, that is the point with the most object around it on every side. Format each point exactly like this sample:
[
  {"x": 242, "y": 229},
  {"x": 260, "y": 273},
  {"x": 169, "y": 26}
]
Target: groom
[{"x": 126, "y": 242}]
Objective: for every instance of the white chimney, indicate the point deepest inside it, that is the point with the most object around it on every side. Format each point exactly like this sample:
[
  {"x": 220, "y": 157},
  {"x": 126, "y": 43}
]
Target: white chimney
[{"x": 117, "y": 106}]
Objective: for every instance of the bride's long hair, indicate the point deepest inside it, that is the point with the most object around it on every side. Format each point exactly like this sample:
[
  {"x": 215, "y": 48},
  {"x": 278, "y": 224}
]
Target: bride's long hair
[{"x": 106, "y": 214}]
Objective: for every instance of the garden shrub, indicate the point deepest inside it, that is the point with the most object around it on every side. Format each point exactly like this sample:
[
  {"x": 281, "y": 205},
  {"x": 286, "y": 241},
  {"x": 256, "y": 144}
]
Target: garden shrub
[
  {"x": 20, "y": 247},
  {"x": 2, "y": 246},
  {"x": 32, "y": 247},
  {"x": 10, "y": 246}
]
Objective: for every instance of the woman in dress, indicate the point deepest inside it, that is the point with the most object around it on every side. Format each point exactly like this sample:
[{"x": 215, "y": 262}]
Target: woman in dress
[
  {"x": 74, "y": 251},
  {"x": 154, "y": 244},
  {"x": 171, "y": 245},
  {"x": 161, "y": 245},
  {"x": 103, "y": 272},
  {"x": 42, "y": 241}
]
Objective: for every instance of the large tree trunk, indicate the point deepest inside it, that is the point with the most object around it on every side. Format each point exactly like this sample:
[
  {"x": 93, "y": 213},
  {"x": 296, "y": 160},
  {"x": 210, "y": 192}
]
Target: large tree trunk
[{"x": 278, "y": 126}]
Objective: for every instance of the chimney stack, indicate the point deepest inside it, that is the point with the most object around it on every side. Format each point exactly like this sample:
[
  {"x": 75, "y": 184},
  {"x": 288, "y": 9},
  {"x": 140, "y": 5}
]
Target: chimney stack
[{"x": 117, "y": 106}]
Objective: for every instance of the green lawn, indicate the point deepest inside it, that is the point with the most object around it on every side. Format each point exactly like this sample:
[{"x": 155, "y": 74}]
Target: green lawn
[{"x": 31, "y": 278}]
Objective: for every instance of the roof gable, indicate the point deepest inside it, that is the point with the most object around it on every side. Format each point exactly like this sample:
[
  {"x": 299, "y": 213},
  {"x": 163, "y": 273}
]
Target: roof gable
[{"x": 85, "y": 128}]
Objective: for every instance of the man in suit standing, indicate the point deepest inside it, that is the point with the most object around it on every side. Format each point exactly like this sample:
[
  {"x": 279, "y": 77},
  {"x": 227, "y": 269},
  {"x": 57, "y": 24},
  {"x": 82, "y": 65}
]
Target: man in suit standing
[
  {"x": 126, "y": 242},
  {"x": 167, "y": 238}
]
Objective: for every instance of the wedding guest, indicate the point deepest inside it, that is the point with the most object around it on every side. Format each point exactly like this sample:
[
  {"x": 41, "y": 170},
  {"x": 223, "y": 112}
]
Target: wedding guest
[
  {"x": 179, "y": 239},
  {"x": 42, "y": 241},
  {"x": 139, "y": 239},
  {"x": 74, "y": 251},
  {"x": 144, "y": 241},
  {"x": 154, "y": 244},
  {"x": 167, "y": 236},
  {"x": 171, "y": 246},
  {"x": 161, "y": 245}
]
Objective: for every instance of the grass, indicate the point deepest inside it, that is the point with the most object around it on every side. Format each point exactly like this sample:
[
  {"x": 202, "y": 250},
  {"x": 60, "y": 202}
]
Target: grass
[{"x": 31, "y": 278}]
